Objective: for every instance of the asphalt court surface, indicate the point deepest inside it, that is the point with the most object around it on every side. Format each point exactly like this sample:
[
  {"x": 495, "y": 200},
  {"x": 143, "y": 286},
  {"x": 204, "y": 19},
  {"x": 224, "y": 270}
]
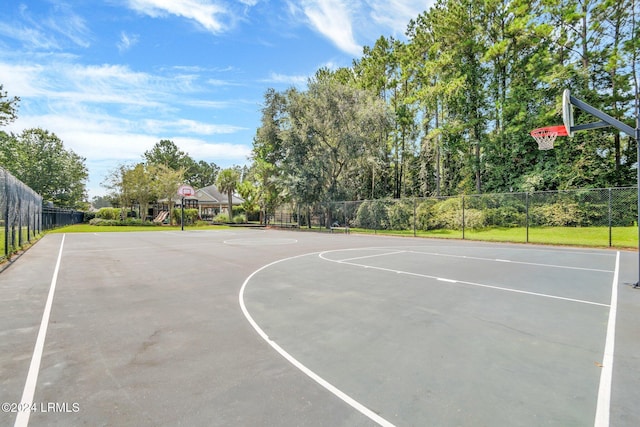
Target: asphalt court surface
[{"x": 277, "y": 328}]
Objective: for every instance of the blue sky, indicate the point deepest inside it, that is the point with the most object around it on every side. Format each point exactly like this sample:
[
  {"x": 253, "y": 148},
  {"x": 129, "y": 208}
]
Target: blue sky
[{"x": 113, "y": 77}]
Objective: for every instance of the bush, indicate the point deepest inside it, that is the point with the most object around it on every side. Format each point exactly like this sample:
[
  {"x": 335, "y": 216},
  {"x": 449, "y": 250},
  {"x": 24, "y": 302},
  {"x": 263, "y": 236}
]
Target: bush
[
  {"x": 190, "y": 216},
  {"x": 559, "y": 214},
  {"x": 372, "y": 214},
  {"x": 399, "y": 214},
  {"x": 119, "y": 223},
  {"x": 474, "y": 218},
  {"x": 240, "y": 219},
  {"x": 109, "y": 213},
  {"x": 88, "y": 216},
  {"x": 221, "y": 218},
  {"x": 424, "y": 213},
  {"x": 447, "y": 214},
  {"x": 505, "y": 216}
]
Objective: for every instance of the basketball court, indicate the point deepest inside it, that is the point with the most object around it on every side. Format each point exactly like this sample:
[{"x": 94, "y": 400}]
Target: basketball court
[{"x": 249, "y": 327}]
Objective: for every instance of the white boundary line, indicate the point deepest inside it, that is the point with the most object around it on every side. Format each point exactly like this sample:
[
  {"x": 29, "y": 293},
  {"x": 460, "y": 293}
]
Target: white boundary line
[
  {"x": 453, "y": 281},
  {"x": 22, "y": 420},
  {"x": 328, "y": 386},
  {"x": 567, "y": 267},
  {"x": 604, "y": 390}
]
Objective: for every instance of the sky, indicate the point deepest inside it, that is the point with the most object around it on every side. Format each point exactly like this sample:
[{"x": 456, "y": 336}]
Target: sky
[{"x": 111, "y": 78}]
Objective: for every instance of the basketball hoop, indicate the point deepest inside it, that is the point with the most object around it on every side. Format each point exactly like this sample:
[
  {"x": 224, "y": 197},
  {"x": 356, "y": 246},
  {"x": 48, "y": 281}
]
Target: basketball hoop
[{"x": 545, "y": 137}]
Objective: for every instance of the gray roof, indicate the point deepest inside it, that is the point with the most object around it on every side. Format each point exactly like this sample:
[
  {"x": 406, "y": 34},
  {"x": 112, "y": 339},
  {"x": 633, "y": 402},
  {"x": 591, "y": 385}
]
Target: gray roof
[{"x": 211, "y": 194}]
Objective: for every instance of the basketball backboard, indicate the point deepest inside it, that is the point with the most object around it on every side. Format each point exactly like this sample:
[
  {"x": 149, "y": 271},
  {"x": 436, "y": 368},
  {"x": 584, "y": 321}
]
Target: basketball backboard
[{"x": 567, "y": 112}]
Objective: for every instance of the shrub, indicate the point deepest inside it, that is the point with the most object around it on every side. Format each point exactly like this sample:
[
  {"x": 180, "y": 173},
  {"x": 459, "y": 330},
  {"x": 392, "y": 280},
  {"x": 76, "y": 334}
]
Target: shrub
[
  {"x": 104, "y": 222},
  {"x": 190, "y": 215},
  {"x": 474, "y": 218},
  {"x": 447, "y": 214},
  {"x": 88, "y": 216},
  {"x": 221, "y": 218},
  {"x": 240, "y": 219},
  {"x": 372, "y": 214},
  {"x": 424, "y": 213},
  {"x": 559, "y": 214},
  {"x": 109, "y": 213},
  {"x": 399, "y": 214},
  {"x": 119, "y": 223},
  {"x": 505, "y": 216}
]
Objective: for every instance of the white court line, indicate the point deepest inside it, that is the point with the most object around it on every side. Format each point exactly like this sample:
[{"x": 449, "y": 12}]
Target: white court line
[
  {"x": 328, "y": 386},
  {"x": 481, "y": 285},
  {"x": 537, "y": 264},
  {"x": 502, "y": 260},
  {"x": 372, "y": 256},
  {"x": 604, "y": 390},
  {"x": 22, "y": 420}
]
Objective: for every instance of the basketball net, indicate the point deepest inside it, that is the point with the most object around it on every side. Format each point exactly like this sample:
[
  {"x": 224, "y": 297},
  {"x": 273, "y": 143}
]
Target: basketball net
[{"x": 544, "y": 138}]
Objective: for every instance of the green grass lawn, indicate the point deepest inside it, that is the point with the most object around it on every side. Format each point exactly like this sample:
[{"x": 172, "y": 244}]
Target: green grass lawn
[{"x": 621, "y": 237}]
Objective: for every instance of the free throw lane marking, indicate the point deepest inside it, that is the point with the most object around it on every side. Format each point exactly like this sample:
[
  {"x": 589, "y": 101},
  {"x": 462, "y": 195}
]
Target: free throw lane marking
[
  {"x": 22, "y": 420},
  {"x": 328, "y": 386},
  {"x": 604, "y": 390}
]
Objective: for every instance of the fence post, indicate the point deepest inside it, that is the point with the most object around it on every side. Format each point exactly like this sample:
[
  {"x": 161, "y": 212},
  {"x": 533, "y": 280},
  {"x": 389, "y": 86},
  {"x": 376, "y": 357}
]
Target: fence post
[
  {"x": 6, "y": 215},
  {"x": 29, "y": 223},
  {"x": 463, "y": 217},
  {"x": 526, "y": 203},
  {"x": 609, "y": 217},
  {"x": 414, "y": 217},
  {"x": 375, "y": 217},
  {"x": 344, "y": 215}
]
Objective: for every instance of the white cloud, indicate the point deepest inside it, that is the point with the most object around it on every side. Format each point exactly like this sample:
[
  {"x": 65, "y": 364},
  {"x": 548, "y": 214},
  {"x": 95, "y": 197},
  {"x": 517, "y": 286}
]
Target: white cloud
[
  {"x": 395, "y": 14},
  {"x": 50, "y": 32},
  {"x": 32, "y": 38},
  {"x": 333, "y": 19},
  {"x": 186, "y": 126},
  {"x": 106, "y": 141},
  {"x": 127, "y": 41},
  {"x": 208, "y": 14},
  {"x": 72, "y": 26},
  {"x": 200, "y": 149},
  {"x": 298, "y": 80},
  {"x": 350, "y": 23}
]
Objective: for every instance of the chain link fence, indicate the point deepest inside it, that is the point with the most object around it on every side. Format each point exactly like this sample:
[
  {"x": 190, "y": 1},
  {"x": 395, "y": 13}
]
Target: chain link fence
[
  {"x": 21, "y": 209},
  {"x": 23, "y": 216},
  {"x": 590, "y": 217}
]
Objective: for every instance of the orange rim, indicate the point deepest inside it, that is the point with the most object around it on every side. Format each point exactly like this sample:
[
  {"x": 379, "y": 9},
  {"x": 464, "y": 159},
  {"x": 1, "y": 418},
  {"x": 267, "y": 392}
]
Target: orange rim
[{"x": 559, "y": 130}]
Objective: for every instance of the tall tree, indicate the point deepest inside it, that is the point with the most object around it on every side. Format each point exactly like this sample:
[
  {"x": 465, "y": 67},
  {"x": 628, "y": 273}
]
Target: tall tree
[
  {"x": 332, "y": 125},
  {"x": 167, "y": 153},
  {"x": 139, "y": 184},
  {"x": 166, "y": 182},
  {"x": 202, "y": 174},
  {"x": 38, "y": 158},
  {"x": 227, "y": 182}
]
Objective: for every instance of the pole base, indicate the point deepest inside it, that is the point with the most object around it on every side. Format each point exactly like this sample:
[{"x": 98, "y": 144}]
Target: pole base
[{"x": 636, "y": 285}]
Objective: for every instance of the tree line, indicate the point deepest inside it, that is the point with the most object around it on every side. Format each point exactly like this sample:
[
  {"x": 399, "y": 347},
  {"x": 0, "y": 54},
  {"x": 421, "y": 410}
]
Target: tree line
[
  {"x": 38, "y": 158},
  {"x": 449, "y": 110}
]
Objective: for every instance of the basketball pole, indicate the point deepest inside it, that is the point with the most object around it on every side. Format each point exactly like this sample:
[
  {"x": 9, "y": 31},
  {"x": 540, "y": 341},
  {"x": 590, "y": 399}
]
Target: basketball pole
[
  {"x": 605, "y": 121},
  {"x": 637, "y": 284}
]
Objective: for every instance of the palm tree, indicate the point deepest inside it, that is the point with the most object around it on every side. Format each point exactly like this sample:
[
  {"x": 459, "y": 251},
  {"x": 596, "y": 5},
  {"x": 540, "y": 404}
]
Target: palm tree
[{"x": 227, "y": 181}]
